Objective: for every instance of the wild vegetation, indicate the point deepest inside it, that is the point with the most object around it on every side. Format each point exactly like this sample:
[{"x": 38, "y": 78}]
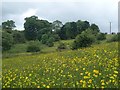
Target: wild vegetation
[
  {"x": 92, "y": 67},
  {"x": 55, "y": 55}
]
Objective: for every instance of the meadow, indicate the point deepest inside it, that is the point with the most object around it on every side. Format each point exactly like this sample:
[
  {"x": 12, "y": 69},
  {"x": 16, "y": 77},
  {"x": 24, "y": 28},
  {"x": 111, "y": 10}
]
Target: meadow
[{"x": 92, "y": 67}]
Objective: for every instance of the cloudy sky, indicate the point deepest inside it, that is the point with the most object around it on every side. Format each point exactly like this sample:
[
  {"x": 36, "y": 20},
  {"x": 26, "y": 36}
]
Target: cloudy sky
[{"x": 100, "y": 12}]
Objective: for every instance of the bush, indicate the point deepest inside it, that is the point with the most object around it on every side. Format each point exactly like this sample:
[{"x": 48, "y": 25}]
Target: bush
[
  {"x": 7, "y": 41},
  {"x": 91, "y": 34},
  {"x": 56, "y": 37},
  {"x": 18, "y": 37},
  {"x": 44, "y": 38},
  {"x": 50, "y": 42},
  {"x": 61, "y": 46},
  {"x": 101, "y": 36},
  {"x": 33, "y": 46},
  {"x": 82, "y": 41},
  {"x": 118, "y": 34},
  {"x": 113, "y": 38}
]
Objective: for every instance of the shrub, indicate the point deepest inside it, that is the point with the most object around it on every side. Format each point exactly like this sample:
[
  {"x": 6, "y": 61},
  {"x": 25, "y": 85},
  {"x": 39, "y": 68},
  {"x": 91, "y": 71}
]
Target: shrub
[
  {"x": 61, "y": 46},
  {"x": 82, "y": 41},
  {"x": 44, "y": 38},
  {"x": 101, "y": 36},
  {"x": 33, "y": 46},
  {"x": 118, "y": 34},
  {"x": 18, "y": 37},
  {"x": 50, "y": 42},
  {"x": 56, "y": 37},
  {"x": 7, "y": 41},
  {"x": 113, "y": 38}
]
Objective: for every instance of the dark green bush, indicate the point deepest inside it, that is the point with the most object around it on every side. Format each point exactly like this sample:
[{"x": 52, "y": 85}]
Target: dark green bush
[
  {"x": 101, "y": 36},
  {"x": 7, "y": 41},
  {"x": 82, "y": 41},
  {"x": 50, "y": 42},
  {"x": 34, "y": 46},
  {"x": 44, "y": 38}
]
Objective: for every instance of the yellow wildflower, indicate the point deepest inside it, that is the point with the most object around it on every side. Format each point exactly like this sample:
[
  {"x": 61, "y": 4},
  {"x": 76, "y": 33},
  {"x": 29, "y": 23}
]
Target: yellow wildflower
[
  {"x": 83, "y": 68},
  {"x": 103, "y": 83},
  {"x": 116, "y": 72},
  {"x": 96, "y": 71},
  {"x": 38, "y": 86},
  {"x": 48, "y": 86}
]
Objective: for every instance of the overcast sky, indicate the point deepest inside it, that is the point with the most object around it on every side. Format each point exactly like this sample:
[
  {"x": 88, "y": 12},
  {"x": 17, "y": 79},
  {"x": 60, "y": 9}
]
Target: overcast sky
[{"x": 100, "y": 12}]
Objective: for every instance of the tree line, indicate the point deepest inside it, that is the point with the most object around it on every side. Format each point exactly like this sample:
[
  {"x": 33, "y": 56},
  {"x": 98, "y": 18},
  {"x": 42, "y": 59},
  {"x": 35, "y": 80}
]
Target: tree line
[{"x": 48, "y": 33}]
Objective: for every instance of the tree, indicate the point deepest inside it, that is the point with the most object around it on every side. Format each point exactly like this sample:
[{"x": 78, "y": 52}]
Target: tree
[
  {"x": 50, "y": 42},
  {"x": 35, "y": 28},
  {"x": 82, "y": 25},
  {"x": 95, "y": 28},
  {"x": 43, "y": 31},
  {"x": 30, "y": 26},
  {"x": 18, "y": 37},
  {"x": 62, "y": 33},
  {"x": 9, "y": 24},
  {"x": 7, "y": 41},
  {"x": 68, "y": 31},
  {"x": 71, "y": 30},
  {"x": 44, "y": 38},
  {"x": 56, "y": 37},
  {"x": 56, "y": 26}
]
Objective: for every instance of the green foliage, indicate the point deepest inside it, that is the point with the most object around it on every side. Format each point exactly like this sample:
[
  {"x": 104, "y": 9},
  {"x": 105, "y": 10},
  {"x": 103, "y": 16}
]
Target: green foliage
[
  {"x": 50, "y": 42},
  {"x": 18, "y": 37},
  {"x": 68, "y": 31},
  {"x": 30, "y": 26},
  {"x": 71, "y": 30},
  {"x": 44, "y": 38},
  {"x": 56, "y": 26},
  {"x": 95, "y": 28},
  {"x": 82, "y": 41},
  {"x": 7, "y": 41},
  {"x": 34, "y": 46},
  {"x": 56, "y": 37},
  {"x": 113, "y": 38},
  {"x": 90, "y": 33},
  {"x": 118, "y": 34},
  {"x": 35, "y": 28},
  {"x": 9, "y": 24},
  {"x": 42, "y": 32},
  {"x": 82, "y": 25},
  {"x": 61, "y": 46},
  {"x": 62, "y": 33},
  {"x": 101, "y": 36}
]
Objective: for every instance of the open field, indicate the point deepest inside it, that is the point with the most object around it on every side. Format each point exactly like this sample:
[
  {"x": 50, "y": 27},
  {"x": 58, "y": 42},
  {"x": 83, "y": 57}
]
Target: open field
[{"x": 95, "y": 66}]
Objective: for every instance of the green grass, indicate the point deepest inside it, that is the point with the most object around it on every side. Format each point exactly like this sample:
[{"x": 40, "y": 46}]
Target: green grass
[
  {"x": 21, "y": 48},
  {"x": 95, "y": 66}
]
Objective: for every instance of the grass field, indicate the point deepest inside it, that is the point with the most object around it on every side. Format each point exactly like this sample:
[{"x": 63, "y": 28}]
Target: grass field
[
  {"x": 95, "y": 66},
  {"x": 20, "y": 49}
]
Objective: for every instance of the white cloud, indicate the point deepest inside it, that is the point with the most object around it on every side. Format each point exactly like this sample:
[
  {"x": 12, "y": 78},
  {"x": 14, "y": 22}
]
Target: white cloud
[{"x": 29, "y": 13}]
